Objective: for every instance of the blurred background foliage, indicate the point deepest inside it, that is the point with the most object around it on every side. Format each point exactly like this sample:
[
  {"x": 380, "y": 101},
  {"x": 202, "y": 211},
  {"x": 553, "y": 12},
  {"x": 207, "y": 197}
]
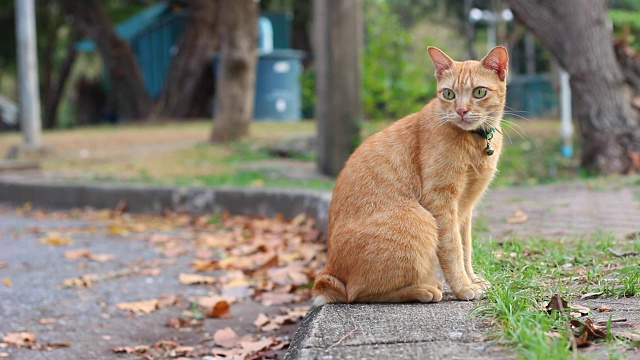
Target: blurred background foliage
[{"x": 396, "y": 72}]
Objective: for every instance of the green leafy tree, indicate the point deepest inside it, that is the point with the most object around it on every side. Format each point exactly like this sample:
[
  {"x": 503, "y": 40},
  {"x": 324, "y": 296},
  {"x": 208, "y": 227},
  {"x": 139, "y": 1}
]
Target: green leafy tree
[{"x": 394, "y": 84}]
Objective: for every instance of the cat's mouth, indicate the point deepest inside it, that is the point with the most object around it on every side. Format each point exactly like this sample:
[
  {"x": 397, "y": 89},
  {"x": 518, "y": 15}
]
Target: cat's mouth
[{"x": 466, "y": 123}]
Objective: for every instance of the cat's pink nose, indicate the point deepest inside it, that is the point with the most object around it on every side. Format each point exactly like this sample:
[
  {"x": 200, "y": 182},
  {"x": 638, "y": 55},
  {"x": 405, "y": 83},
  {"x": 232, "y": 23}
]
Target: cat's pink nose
[{"x": 462, "y": 112}]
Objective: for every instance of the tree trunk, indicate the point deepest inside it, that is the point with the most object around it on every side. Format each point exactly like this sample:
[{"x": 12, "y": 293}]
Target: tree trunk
[
  {"x": 235, "y": 87},
  {"x": 53, "y": 93},
  {"x": 576, "y": 34},
  {"x": 469, "y": 30},
  {"x": 126, "y": 85},
  {"x": 338, "y": 29},
  {"x": 188, "y": 87}
]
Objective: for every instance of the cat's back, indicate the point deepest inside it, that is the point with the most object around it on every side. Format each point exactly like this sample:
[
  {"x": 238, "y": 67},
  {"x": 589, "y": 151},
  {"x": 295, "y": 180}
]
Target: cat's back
[{"x": 383, "y": 169}]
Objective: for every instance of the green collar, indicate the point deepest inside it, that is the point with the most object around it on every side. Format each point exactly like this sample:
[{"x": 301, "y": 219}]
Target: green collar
[
  {"x": 488, "y": 135},
  {"x": 485, "y": 133}
]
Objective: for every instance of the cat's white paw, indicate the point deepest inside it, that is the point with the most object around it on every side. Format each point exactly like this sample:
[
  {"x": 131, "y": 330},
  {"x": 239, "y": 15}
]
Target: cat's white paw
[{"x": 469, "y": 292}]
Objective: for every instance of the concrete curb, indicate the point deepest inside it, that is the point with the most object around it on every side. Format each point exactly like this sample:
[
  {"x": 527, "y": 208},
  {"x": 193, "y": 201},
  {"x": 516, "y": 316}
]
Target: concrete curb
[
  {"x": 391, "y": 331},
  {"x": 149, "y": 198}
]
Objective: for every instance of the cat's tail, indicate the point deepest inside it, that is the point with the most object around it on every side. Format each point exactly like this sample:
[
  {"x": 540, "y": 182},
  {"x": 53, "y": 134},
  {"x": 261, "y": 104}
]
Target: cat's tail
[{"x": 328, "y": 289}]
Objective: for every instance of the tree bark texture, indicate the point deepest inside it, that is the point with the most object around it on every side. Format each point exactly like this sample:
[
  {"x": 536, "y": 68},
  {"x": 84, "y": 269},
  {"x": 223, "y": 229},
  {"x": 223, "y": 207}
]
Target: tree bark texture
[
  {"x": 126, "y": 84},
  {"x": 576, "y": 34},
  {"x": 188, "y": 86},
  {"x": 338, "y": 35},
  {"x": 236, "y": 73},
  {"x": 55, "y": 88}
]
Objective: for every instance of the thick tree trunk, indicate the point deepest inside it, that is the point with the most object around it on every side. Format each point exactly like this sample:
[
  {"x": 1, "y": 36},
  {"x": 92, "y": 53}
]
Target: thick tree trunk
[
  {"x": 188, "y": 87},
  {"x": 126, "y": 85},
  {"x": 338, "y": 29},
  {"x": 235, "y": 87},
  {"x": 576, "y": 34}
]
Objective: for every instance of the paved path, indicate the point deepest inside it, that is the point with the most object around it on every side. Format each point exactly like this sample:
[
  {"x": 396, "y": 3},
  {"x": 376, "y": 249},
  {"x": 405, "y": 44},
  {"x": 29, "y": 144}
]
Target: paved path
[{"x": 570, "y": 209}]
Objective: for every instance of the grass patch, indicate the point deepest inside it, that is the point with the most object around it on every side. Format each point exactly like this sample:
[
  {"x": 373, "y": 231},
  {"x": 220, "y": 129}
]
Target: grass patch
[{"x": 524, "y": 273}]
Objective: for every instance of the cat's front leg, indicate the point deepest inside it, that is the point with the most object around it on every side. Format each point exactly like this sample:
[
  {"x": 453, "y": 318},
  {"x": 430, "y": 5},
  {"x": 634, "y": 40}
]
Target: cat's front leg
[
  {"x": 451, "y": 256},
  {"x": 467, "y": 245}
]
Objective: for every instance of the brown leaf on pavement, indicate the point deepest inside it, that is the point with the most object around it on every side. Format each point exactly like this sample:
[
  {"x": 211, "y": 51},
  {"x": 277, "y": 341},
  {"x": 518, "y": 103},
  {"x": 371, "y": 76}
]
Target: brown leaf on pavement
[
  {"x": 205, "y": 265},
  {"x": 192, "y": 279},
  {"x": 53, "y": 238},
  {"x": 140, "y": 349},
  {"x": 261, "y": 320},
  {"x": 7, "y": 282},
  {"x": 518, "y": 217},
  {"x": 139, "y": 307},
  {"x": 86, "y": 253},
  {"x": 274, "y": 298},
  {"x": 604, "y": 308},
  {"x": 118, "y": 229},
  {"x": 20, "y": 339},
  {"x": 227, "y": 338},
  {"x": 255, "y": 346},
  {"x": 221, "y": 310},
  {"x": 45, "y": 321},
  {"x": 77, "y": 254}
]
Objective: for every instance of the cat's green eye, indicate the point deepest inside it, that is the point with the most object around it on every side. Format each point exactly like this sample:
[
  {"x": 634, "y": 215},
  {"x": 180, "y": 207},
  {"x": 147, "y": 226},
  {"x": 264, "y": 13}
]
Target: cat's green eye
[
  {"x": 448, "y": 94},
  {"x": 479, "y": 92}
]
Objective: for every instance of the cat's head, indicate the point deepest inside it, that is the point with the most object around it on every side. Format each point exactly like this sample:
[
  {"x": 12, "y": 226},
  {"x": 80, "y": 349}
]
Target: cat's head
[{"x": 471, "y": 94}]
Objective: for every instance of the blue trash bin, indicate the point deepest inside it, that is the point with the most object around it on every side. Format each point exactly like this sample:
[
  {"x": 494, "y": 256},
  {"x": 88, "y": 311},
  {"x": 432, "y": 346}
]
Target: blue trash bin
[{"x": 278, "y": 94}]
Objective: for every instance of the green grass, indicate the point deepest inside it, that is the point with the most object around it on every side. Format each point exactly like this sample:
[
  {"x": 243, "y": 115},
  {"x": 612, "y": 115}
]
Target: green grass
[{"x": 525, "y": 272}]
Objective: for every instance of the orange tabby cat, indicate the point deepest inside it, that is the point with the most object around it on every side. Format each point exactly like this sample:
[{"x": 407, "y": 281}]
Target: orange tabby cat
[{"x": 405, "y": 198}]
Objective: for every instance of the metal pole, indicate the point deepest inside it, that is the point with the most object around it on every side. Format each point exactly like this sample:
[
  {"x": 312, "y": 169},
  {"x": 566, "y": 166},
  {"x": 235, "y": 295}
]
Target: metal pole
[
  {"x": 29, "y": 98},
  {"x": 565, "y": 112}
]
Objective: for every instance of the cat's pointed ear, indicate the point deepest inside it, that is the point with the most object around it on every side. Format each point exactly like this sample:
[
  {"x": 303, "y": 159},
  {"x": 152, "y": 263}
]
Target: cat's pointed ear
[
  {"x": 441, "y": 60},
  {"x": 497, "y": 60}
]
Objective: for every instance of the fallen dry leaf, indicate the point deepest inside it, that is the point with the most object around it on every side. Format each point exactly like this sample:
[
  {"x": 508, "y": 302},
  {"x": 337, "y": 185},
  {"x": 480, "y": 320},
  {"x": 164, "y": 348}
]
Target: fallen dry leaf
[
  {"x": 55, "y": 239},
  {"x": 20, "y": 339},
  {"x": 205, "y": 265},
  {"x": 556, "y": 303},
  {"x": 140, "y": 349},
  {"x": 261, "y": 320},
  {"x": 45, "y": 321},
  {"x": 7, "y": 282},
  {"x": 604, "y": 308},
  {"x": 518, "y": 217},
  {"x": 273, "y": 298},
  {"x": 255, "y": 346},
  {"x": 77, "y": 254},
  {"x": 86, "y": 253},
  {"x": 192, "y": 279},
  {"x": 578, "y": 310},
  {"x": 220, "y": 310},
  {"x": 591, "y": 295},
  {"x": 117, "y": 229},
  {"x": 586, "y": 332},
  {"x": 139, "y": 307},
  {"x": 4, "y": 265},
  {"x": 227, "y": 338}
]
